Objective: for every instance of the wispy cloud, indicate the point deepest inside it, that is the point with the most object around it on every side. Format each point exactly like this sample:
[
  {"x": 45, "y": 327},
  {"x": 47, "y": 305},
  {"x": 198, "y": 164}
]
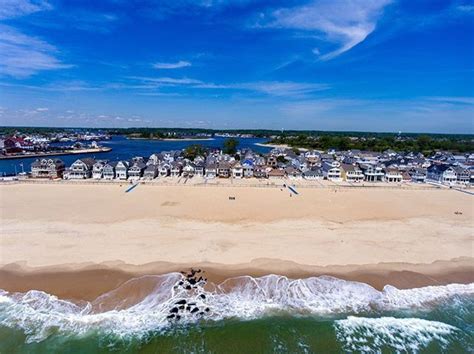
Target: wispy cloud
[
  {"x": 16, "y": 8},
  {"x": 22, "y": 55},
  {"x": 345, "y": 23},
  {"x": 176, "y": 65}
]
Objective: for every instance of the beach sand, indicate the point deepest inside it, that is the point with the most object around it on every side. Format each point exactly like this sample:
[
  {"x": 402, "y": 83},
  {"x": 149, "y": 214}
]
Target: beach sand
[{"x": 79, "y": 240}]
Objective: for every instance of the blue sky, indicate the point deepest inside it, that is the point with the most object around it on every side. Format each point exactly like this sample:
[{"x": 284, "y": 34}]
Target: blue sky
[{"x": 376, "y": 65}]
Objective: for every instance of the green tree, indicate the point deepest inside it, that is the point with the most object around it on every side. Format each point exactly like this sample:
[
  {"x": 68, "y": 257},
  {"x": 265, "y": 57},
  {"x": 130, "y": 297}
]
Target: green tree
[
  {"x": 230, "y": 146},
  {"x": 192, "y": 151}
]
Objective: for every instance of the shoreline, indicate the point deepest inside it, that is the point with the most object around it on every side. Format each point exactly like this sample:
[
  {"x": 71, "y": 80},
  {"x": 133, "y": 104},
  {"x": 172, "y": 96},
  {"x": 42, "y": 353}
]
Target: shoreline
[
  {"x": 280, "y": 146},
  {"x": 88, "y": 281},
  {"x": 62, "y": 153},
  {"x": 173, "y": 139}
]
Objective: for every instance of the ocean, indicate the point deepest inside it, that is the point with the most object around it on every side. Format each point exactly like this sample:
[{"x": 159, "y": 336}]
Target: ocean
[
  {"x": 270, "y": 314},
  {"x": 125, "y": 149}
]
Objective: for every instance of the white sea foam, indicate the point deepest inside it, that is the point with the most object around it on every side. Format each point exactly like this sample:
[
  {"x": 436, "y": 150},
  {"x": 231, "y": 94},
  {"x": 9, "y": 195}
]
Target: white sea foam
[
  {"x": 38, "y": 314},
  {"x": 362, "y": 334}
]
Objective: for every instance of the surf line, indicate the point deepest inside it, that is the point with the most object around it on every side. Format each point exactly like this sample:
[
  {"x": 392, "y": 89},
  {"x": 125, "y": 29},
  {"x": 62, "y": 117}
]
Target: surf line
[{"x": 131, "y": 187}]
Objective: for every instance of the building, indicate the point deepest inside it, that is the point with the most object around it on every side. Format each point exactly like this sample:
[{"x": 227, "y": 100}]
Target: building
[
  {"x": 151, "y": 171},
  {"x": 237, "y": 171},
  {"x": 108, "y": 172},
  {"x": 393, "y": 174},
  {"x": 135, "y": 171},
  {"x": 373, "y": 173},
  {"x": 47, "y": 168},
  {"x": 81, "y": 169},
  {"x": 331, "y": 172},
  {"x": 463, "y": 175},
  {"x": 121, "y": 170},
  {"x": 351, "y": 173},
  {"x": 276, "y": 173},
  {"x": 313, "y": 173},
  {"x": 442, "y": 173},
  {"x": 164, "y": 169},
  {"x": 98, "y": 169},
  {"x": 189, "y": 170},
  {"x": 176, "y": 169},
  {"x": 223, "y": 169},
  {"x": 211, "y": 170}
]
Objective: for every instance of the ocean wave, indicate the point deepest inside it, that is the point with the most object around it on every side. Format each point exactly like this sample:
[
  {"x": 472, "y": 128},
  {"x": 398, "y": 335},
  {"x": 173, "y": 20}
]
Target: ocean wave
[
  {"x": 157, "y": 303},
  {"x": 410, "y": 335}
]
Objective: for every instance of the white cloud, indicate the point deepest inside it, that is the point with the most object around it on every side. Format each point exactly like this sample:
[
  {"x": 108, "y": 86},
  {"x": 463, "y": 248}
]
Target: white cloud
[
  {"x": 345, "y": 23},
  {"x": 22, "y": 55},
  {"x": 286, "y": 88},
  {"x": 177, "y": 65},
  {"x": 42, "y": 109},
  {"x": 16, "y": 8}
]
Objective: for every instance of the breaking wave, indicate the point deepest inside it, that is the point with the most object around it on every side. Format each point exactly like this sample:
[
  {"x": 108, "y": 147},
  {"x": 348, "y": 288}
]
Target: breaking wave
[
  {"x": 406, "y": 335},
  {"x": 151, "y": 304}
]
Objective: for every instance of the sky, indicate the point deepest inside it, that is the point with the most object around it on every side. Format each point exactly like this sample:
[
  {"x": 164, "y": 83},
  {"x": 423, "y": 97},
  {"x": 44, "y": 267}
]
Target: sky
[{"x": 352, "y": 65}]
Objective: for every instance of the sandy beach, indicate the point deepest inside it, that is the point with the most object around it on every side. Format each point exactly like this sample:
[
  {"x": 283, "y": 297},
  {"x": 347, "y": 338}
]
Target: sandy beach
[{"x": 405, "y": 237}]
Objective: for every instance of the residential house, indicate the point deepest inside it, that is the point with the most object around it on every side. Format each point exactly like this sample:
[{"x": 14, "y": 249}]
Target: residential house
[
  {"x": 248, "y": 166},
  {"x": 272, "y": 161},
  {"x": 331, "y": 172},
  {"x": 417, "y": 174},
  {"x": 176, "y": 169},
  {"x": 260, "y": 172},
  {"x": 313, "y": 173},
  {"x": 81, "y": 169},
  {"x": 151, "y": 171},
  {"x": 98, "y": 169},
  {"x": 293, "y": 173},
  {"x": 351, "y": 173},
  {"x": 121, "y": 170},
  {"x": 136, "y": 170},
  {"x": 372, "y": 173},
  {"x": 199, "y": 168},
  {"x": 189, "y": 170},
  {"x": 164, "y": 169},
  {"x": 393, "y": 174},
  {"x": 223, "y": 169},
  {"x": 211, "y": 170},
  {"x": 463, "y": 175},
  {"x": 276, "y": 173},
  {"x": 442, "y": 173},
  {"x": 47, "y": 168},
  {"x": 237, "y": 171},
  {"x": 108, "y": 172}
]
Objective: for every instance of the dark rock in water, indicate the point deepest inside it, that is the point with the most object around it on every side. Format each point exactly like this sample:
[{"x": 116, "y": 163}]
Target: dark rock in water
[
  {"x": 196, "y": 309},
  {"x": 202, "y": 296},
  {"x": 201, "y": 313},
  {"x": 180, "y": 302},
  {"x": 178, "y": 317},
  {"x": 174, "y": 310},
  {"x": 171, "y": 316},
  {"x": 180, "y": 283},
  {"x": 181, "y": 307},
  {"x": 192, "y": 304},
  {"x": 207, "y": 309},
  {"x": 188, "y": 287},
  {"x": 192, "y": 281}
]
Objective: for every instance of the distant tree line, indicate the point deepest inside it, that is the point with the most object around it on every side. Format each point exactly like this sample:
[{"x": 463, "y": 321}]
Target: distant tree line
[{"x": 419, "y": 143}]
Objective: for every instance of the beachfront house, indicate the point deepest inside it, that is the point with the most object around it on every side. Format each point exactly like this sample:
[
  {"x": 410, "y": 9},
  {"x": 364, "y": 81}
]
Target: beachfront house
[
  {"x": 372, "y": 173},
  {"x": 223, "y": 169},
  {"x": 211, "y": 170},
  {"x": 417, "y": 174},
  {"x": 164, "y": 169},
  {"x": 248, "y": 167},
  {"x": 176, "y": 169},
  {"x": 121, "y": 170},
  {"x": 276, "y": 173},
  {"x": 47, "y": 168},
  {"x": 393, "y": 174},
  {"x": 98, "y": 169},
  {"x": 331, "y": 171},
  {"x": 108, "y": 172},
  {"x": 81, "y": 169},
  {"x": 199, "y": 168},
  {"x": 151, "y": 171},
  {"x": 313, "y": 173},
  {"x": 237, "y": 171},
  {"x": 189, "y": 170},
  {"x": 136, "y": 170},
  {"x": 293, "y": 173},
  {"x": 154, "y": 159},
  {"x": 463, "y": 175},
  {"x": 351, "y": 173},
  {"x": 261, "y": 171},
  {"x": 442, "y": 173}
]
